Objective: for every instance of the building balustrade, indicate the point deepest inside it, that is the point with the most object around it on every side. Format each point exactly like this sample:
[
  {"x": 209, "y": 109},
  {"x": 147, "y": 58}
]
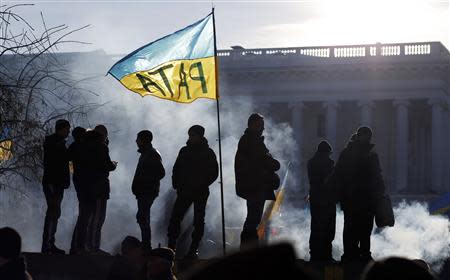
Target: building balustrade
[{"x": 434, "y": 49}]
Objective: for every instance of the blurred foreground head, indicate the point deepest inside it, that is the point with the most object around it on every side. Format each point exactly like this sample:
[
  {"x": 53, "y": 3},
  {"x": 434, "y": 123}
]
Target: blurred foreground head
[
  {"x": 269, "y": 262},
  {"x": 10, "y": 243},
  {"x": 131, "y": 246},
  {"x": 160, "y": 263},
  {"x": 397, "y": 268}
]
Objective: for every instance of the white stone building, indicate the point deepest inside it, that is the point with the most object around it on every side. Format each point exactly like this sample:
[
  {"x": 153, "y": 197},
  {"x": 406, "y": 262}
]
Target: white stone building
[{"x": 400, "y": 90}]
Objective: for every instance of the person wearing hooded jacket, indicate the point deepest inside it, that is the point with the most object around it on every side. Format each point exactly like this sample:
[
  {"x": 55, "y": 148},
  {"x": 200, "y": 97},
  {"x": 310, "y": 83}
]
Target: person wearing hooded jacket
[
  {"x": 255, "y": 175},
  {"x": 360, "y": 186},
  {"x": 322, "y": 200},
  {"x": 195, "y": 169},
  {"x": 145, "y": 186}
]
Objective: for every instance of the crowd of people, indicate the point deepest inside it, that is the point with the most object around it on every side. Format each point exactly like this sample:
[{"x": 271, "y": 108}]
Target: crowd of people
[
  {"x": 354, "y": 181},
  {"x": 195, "y": 169}
]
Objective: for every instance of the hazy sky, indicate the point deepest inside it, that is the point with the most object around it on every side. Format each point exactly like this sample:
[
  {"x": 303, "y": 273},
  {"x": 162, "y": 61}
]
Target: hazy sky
[{"x": 122, "y": 26}]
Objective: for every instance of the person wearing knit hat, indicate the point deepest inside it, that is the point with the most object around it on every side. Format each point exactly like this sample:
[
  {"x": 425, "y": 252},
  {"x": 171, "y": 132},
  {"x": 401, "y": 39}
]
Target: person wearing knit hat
[
  {"x": 197, "y": 129},
  {"x": 360, "y": 189},
  {"x": 195, "y": 169}
]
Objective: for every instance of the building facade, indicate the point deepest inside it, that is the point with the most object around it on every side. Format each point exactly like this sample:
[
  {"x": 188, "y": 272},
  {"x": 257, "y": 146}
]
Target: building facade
[{"x": 400, "y": 90}]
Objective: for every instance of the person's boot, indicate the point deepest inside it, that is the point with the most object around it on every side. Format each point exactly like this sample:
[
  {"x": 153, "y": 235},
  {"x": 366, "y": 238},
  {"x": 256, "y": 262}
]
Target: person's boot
[
  {"x": 366, "y": 257},
  {"x": 48, "y": 237},
  {"x": 78, "y": 252},
  {"x": 99, "y": 252},
  {"x": 193, "y": 249},
  {"x": 56, "y": 251},
  {"x": 192, "y": 254}
]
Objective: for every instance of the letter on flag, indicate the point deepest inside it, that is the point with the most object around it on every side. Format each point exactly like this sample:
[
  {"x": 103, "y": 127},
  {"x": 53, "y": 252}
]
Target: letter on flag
[{"x": 180, "y": 67}]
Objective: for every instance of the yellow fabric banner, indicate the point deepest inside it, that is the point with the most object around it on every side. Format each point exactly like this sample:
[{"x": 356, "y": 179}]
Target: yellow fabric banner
[
  {"x": 181, "y": 80},
  {"x": 5, "y": 150}
]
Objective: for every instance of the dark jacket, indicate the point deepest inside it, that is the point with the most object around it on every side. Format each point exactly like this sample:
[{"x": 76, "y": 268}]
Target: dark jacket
[
  {"x": 358, "y": 176},
  {"x": 195, "y": 168},
  {"x": 96, "y": 167},
  {"x": 149, "y": 172},
  {"x": 74, "y": 153},
  {"x": 320, "y": 167},
  {"x": 255, "y": 168},
  {"x": 56, "y": 162},
  {"x": 15, "y": 269}
]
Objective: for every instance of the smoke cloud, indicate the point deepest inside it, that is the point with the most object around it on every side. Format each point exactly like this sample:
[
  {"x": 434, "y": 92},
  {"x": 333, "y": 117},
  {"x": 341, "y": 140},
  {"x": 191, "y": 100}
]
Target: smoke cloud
[{"x": 416, "y": 234}]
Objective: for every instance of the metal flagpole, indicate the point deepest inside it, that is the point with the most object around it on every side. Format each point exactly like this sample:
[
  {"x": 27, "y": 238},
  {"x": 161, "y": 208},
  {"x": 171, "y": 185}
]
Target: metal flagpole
[{"x": 220, "y": 141}]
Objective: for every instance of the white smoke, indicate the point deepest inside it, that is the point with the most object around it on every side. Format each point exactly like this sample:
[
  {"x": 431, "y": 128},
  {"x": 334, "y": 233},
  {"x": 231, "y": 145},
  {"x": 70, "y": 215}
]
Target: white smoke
[{"x": 416, "y": 235}]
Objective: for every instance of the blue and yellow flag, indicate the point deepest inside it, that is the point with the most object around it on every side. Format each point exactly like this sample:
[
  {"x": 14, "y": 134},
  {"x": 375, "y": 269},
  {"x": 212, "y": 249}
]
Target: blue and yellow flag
[
  {"x": 180, "y": 67},
  {"x": 5, "y": 146},
  {"x": 441, "y": 205},
  {"x": 273, "y": 208}
]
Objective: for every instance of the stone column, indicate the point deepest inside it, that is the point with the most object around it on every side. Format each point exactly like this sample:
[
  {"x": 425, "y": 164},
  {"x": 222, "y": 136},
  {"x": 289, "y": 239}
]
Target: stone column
[
  {"x": 298, "y": 130},
  {"x": 297, "y": 124},
  {"x": 436, "y": 143},
  {"x": 446, "y": 125},
  {"x": 401, "y": 144},
  {"x": 331, "y": 122},
  {"x": 366, "y": 112}
]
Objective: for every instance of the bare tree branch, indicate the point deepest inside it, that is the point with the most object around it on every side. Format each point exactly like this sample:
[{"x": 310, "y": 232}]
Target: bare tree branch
[{"x": 36, "y": 89}]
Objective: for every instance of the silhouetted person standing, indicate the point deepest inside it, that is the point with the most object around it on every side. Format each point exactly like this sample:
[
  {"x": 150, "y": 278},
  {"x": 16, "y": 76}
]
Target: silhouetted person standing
[
  {"x": 55, "y": 180},
  {"x": 322, "y": 199},
  {"x": 195, "y": 169},
  {"x": 145, "y": 186},
  {"x": 96, "y": 167},
  {"x": 361, "y": 185},
  {"x": 75, "y": 151},
  {"x": 255, "y": 174}
]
